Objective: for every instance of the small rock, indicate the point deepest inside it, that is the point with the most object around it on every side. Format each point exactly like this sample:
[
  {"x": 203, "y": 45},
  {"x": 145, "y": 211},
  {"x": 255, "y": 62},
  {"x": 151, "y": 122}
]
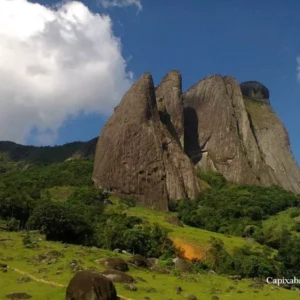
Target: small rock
[
  {"x": 130, "y": 287},
  {"x": 192, "y": 297},
  {"x": 153, "y": 261},
  {"x": 178, "y": 289},
  {"x": 118, "y": 276},
  {"x": 182, "y": 265},
  {"x": 140, "y": 279},
  {"x": 115, "y": 264},
  {"x": 174, "y": 221},
  {"x": 151, "y": 290},
  {"x": 235, "y": 277},
  {"x": 24, "y": 279},
  {"x": 139, "y": 261},
  {"x": 15, "y": 296},
  {"x": 159, "y": 269}
]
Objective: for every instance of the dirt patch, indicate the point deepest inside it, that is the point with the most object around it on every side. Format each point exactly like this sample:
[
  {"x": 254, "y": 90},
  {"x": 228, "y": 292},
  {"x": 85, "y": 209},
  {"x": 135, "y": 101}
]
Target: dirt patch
[
  {"x": 174, "y": 221},
  {"x": 188, "y": 250}
]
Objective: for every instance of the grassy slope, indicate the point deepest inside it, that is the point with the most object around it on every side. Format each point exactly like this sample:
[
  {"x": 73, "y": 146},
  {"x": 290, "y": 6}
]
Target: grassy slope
[
  {"x": 203, "y": 286},
  {"x": 282, "y": 218},
  {"x": 198, "y": 238}
]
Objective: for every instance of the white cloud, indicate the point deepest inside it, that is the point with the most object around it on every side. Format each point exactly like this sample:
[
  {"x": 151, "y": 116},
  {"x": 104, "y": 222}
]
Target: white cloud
[
  {"x": 121, "y": 3},
  {"x": 55, "y": 63}
]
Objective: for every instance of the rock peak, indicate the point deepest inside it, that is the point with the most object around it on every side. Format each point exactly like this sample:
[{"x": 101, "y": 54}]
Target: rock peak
[
  {"x": 255, "y": 90},
  {"x": 139, "y": 155}
]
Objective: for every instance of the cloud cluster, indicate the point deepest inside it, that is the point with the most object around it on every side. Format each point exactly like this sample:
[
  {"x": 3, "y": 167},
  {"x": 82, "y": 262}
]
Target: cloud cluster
[
  {"x": 55, "y": 63},
  {"x": 121, "y": 3}
]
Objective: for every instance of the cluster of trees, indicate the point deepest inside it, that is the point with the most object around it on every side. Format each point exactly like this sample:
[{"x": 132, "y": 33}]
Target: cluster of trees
[
  {"x": 21, "y": 191},
  {"x": 240, "y": 210},
  {"x": 244, "y": 261},
  {"x": 234, "y": 209},
  {"x": 25, "y": 203},
  {"x": 247, "y": 262}
]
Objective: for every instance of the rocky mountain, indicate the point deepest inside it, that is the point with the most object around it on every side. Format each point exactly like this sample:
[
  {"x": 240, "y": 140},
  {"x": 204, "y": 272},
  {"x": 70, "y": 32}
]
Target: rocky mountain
[
  {"x": 157, "y": 137},
  {"x": 141, "y": 156}
]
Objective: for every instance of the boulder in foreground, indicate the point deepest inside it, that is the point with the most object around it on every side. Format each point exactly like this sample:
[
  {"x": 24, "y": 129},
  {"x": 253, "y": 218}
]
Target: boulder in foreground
[{"x": 88, "y": 285}]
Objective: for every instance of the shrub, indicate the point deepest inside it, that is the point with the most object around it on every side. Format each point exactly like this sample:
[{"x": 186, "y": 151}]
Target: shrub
[
  {"x": 27, "y": 242},
  {"x": 13, "y": 224}
]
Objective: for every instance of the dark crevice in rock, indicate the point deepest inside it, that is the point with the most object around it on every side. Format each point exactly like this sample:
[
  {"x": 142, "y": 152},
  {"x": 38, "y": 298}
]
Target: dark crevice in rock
[
  {"x": 191, "y": 135},
  {"x": 166, "y": 120},
  {"x": 254, "y": 134}
]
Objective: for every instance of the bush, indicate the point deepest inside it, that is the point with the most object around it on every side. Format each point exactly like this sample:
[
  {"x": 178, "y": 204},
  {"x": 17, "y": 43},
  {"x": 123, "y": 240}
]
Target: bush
[
  {"x": 129, "y": 202},
  {"x": 294, "y": 214},
  {"x": 27, "y": 242},
  {"x": 214, "y": 179},
  {"x": 13, "y": 224},
  {"x": 173, "y": 206},
  {"x": 62, "y": 223}
]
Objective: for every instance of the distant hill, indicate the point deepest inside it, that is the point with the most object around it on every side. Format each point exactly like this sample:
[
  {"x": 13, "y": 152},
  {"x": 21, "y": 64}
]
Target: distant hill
[{"x": 13, "y": 155}]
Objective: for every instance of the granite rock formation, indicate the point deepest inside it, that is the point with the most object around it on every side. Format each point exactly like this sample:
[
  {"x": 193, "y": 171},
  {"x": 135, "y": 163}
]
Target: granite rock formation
[
  {"x": 238, "y": 135},
  {"x": 137, "y": 155},
  {"x": 157, "y": 137},
  {"x": 273, "y": 142},
  {"x": 256, "y": 91},
  {"x": 170, "y": 106}
]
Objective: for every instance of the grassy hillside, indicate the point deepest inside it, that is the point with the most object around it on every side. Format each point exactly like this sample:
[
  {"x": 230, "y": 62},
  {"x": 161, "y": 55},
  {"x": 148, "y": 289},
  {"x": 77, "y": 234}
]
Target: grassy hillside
[
  {"x": 52, "y": 262},
  {"x": 285, "y": 218},
  {"x": 227, "y": 228},
  {"x": 190, "y": 238}
]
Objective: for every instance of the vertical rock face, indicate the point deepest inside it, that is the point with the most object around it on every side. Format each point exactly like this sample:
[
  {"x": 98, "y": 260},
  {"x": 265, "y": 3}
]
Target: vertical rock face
[
  {"x": 273, "y": 142},
  {"x": 212, "y": 132},
  {"x": 136, "y": 155},
  {"x": 169, "y": 103},
  {"x": 238, "y": 135}
]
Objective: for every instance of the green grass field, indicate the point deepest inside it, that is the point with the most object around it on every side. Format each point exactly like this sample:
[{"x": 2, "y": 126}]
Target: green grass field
[
  {"x": 281, "y": 219},
  {"x": 204, "y": 286}
]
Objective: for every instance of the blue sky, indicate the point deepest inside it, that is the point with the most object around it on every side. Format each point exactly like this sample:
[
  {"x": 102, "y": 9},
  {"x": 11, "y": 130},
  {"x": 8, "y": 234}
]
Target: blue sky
[{"x": 249, "y": 40}]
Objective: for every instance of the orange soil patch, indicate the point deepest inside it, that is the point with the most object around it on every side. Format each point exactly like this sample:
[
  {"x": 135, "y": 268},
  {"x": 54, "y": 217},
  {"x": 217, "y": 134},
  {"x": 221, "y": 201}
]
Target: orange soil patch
[{"x": 188, "y": 250}]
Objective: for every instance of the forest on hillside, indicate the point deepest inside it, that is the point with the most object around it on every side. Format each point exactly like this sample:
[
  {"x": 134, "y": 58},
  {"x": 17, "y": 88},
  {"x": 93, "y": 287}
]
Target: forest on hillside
[{"x": 60, "y": 201}]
